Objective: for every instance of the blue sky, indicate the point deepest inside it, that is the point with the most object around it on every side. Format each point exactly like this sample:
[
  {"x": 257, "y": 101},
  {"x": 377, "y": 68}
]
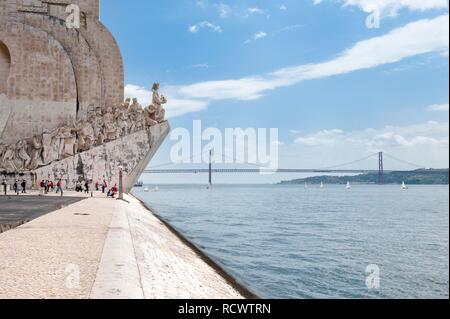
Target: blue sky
[{"x": 335, "y": 89}]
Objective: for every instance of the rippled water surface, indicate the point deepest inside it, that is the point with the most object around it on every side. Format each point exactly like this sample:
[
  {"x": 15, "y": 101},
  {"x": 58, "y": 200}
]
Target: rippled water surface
[{"x": 288, "y": 242}]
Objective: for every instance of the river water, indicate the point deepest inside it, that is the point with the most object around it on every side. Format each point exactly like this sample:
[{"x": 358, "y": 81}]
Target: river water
[{"x": 288, "y": 242}]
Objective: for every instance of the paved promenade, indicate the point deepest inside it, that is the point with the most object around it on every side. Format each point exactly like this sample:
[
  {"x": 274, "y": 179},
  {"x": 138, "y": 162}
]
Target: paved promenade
[
  {"x": 103, "y": 248},
  {"x": 16, "y": 210}
]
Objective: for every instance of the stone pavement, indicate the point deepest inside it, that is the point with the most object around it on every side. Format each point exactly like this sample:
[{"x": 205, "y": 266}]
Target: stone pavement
[
  {"x": 102, "y": 248},
  {"x": 56, "y": 255},
  {"x": 16, "y": 210}
]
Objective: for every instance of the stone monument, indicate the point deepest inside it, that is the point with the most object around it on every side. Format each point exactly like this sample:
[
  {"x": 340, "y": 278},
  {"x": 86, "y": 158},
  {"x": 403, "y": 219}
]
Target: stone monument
[{"x": 62, "y": 109}]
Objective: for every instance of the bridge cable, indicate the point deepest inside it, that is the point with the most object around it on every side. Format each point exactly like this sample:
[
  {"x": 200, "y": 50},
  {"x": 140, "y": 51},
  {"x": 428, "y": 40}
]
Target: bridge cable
[
  {"x": 350, "y": 163},
  {"x": 403, "y": 161}
]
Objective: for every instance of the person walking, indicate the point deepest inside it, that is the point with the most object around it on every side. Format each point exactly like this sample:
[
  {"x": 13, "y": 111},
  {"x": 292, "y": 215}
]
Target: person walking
[
  {"x": 16, "y": 187},
  {"x": 86, "y": 187},
  {"x": 4, "y": 185},
  {"x": 59, "y": 188},
  {"x": 24, "y": 187}
]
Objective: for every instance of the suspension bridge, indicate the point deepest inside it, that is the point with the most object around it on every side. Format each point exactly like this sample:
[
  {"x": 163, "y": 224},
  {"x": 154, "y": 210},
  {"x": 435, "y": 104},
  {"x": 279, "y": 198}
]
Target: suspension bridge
[{"x": 336, "y": 169}]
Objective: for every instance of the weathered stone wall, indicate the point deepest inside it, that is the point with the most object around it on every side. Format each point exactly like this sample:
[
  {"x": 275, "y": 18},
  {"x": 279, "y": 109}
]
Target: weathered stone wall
[
  {"x": 132, "y": 152},
  {"x": 40, "y": 88},
  {"x": 89, "y": 60},
  {"x": 5, "y": 64}
]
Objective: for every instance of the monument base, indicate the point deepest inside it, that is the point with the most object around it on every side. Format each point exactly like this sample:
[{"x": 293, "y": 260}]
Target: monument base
[{"x": 131, "y": 154}]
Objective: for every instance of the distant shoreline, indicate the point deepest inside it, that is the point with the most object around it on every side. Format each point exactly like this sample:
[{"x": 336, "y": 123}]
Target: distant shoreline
[{"x": 417, "y": 177}]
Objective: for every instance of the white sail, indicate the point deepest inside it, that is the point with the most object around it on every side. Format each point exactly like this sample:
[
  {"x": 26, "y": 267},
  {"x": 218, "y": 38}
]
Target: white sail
[
  {"x": 348, "y": 185},
  {"x": 404, "y": 186},
  {"x": 321, "y": 185}
]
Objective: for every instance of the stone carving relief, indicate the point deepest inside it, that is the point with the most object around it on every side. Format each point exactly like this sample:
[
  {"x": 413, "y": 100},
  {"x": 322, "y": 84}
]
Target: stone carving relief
[{"x": 100, "y": 127}]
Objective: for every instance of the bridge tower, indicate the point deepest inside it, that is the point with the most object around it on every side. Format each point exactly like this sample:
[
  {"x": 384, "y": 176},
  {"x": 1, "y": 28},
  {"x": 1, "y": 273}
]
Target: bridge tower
[{"x": 380, "y": 168}]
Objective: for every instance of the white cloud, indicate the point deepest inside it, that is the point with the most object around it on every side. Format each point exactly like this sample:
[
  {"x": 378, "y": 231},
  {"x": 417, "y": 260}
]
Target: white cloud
[
  {"x": 423, "y": 36},
  {"x": 253, "y": 10},
  {"x": 426, "y": 144},
  {"x": 260, "y": 35},
  {"x": 224, "y": 10},
  {"x": 438, "y": 107},
  {"x": 256, "y": 36},
  {"x": 194, "y": 28},
  {"x": 416, "y": 38},
  {"x": 283, "y": 7},
  {"x": 324, "y": 137},
  {"x": 204, "y": 25},
  {"x": 373, "y": 140},
  {"x": 392, "y": 7},
  {"x": 199, "y": 66}
]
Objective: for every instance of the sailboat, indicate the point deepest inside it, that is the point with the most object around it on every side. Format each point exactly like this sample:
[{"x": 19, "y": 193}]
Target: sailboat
[
  {"x": 321, "y": 185},
  {"x": 306, "y": 185},
  {"x": 156, "y": 189},
  {"x": 348, "y": 185},
  {"x": 404, "y": 187}
]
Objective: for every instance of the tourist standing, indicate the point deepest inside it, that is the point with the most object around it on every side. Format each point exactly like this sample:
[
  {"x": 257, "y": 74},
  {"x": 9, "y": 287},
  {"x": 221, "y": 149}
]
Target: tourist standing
[
  {"x": 104, "y": 186},
  {"x": 24, "y": 187},
  {"x": 59, "y": 188},
  {"x": 86, "y": 187},
  {"x": 5, "y": 186},
  {"x": 96, "y": 186},
  {"x": 16, "y": 187}
]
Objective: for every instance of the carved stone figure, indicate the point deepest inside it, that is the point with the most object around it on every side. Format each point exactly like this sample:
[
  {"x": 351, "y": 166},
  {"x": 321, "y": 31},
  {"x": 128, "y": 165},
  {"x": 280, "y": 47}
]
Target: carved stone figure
[
  {"x": 98, "y": 130},
  {"x": 126, "y": 104},
  {"x": 47, "y": 152},
  {"x": 22, "y": 155},
  {"x": 135, "y": 106},
  {"x": 157, "y": 101},
  {"x": 36, "y": 152},
  {"x": 110, "y": 129},
  {"x": 2, "y": 150},
  {"x": 100, "y": 126},
  {"x": 149, "y": 115},
  {"x": 122, "y": 121},
  {"x": 9, "y": 158},
  {"x": 68, "y": 142},
  {"x": 85, "y": 135}
]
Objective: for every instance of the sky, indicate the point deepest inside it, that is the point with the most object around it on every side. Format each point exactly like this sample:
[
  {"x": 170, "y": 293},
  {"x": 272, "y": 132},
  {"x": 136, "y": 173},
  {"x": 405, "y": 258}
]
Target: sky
[{"x": 339, "y": 79}]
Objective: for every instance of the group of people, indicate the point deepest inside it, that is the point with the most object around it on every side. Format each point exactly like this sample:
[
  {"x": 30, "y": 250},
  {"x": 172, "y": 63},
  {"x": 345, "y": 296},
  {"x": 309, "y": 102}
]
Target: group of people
[
  {"x": 82, "y": 186},
  {"x": 19, "y": 187},
  {"x": 49, "y": 186},
  {"x": 100, "y": 125}
]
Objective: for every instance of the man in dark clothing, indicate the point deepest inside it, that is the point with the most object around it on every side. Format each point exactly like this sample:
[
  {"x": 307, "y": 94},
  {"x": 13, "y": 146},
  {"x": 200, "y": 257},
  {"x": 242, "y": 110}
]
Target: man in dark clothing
[
  {"x": 24, "y": 187},
  {"x": 4, "y": 185},
  {"x": 16, "y": 187}
]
